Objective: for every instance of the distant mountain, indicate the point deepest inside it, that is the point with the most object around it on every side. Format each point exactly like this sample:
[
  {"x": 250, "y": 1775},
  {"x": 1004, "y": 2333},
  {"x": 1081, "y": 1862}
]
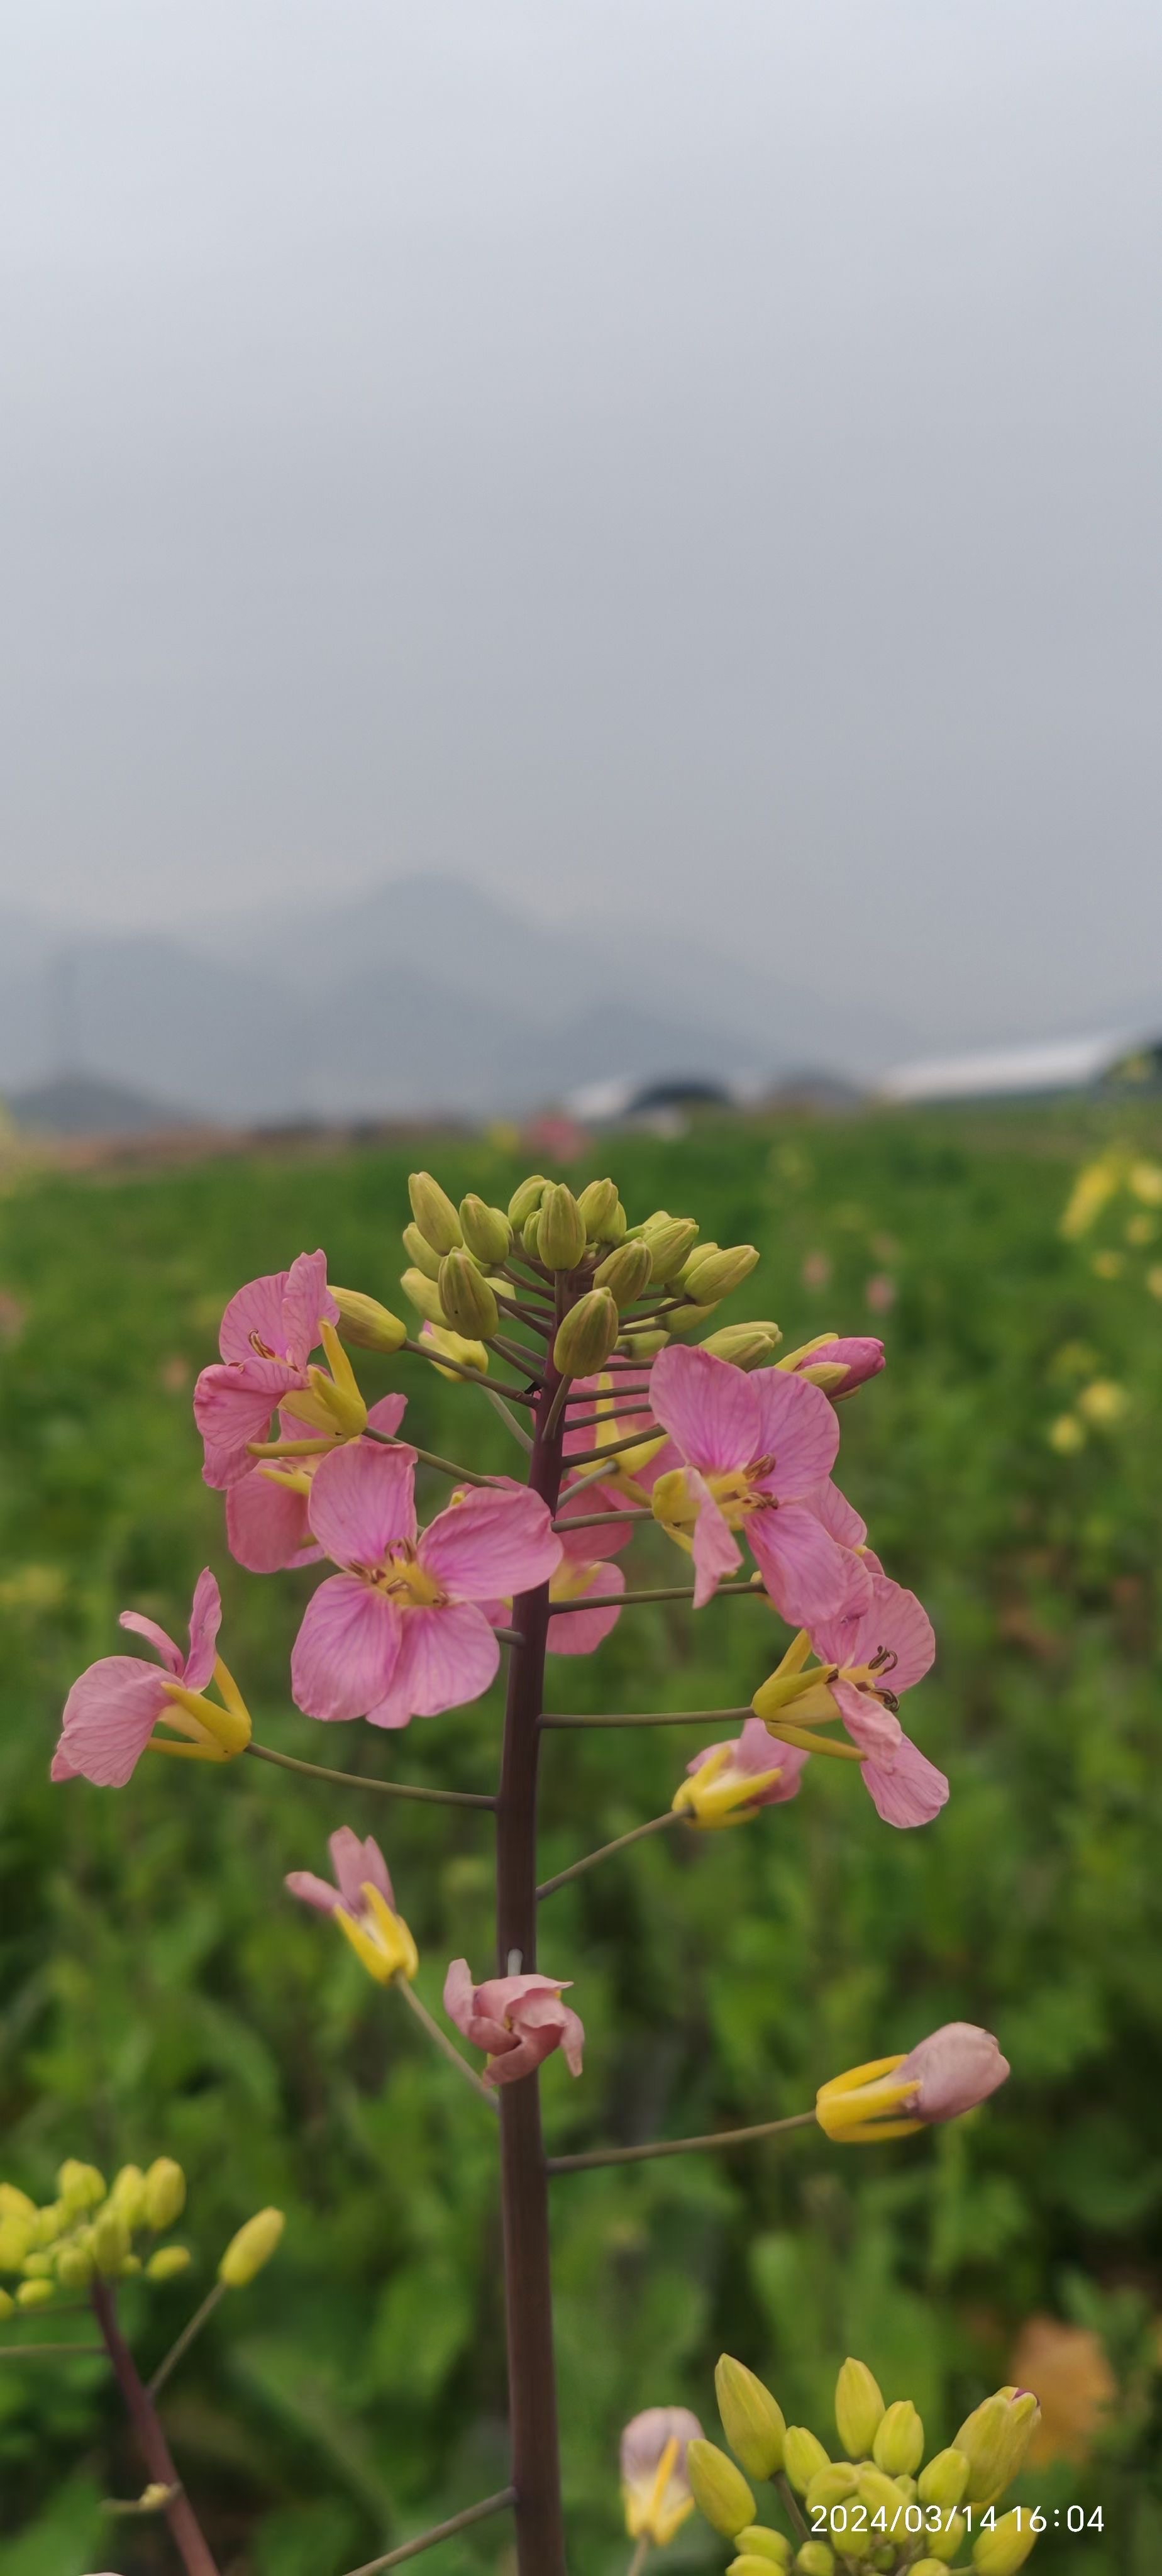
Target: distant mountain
[
  {"x": 80, "y": 1104},
  {"x": 422, "y": 994}
]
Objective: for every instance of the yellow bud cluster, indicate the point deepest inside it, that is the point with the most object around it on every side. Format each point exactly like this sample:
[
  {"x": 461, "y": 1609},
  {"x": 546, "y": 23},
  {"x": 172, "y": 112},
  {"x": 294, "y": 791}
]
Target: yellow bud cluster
[{"x": 86, "y": 2233}]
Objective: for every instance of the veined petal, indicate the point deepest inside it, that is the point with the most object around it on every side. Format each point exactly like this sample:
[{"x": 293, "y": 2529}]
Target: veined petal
[
  {"x": 906, "y": 1788},
  {"x": 797, "y": 1427},
  {"x": 233, "y": 1405},
  {"x": 267, "y": 1525},
  {"x": 254, "y": 1314},
  {"x": 448, "y": 1655},
  {"x": 897, "y": 1623},
  {"x": 709, "y": 1408},
  {"x": 387, "y": 1414},
  {"x": 156, "y": 1637},
  {"x": 346, "y": 1649},
  {"x": 110, "y": 1714},
  {"x": 490, "y": 1543},
  {"x": 804, "y": 1571},
  {"x": 839, "y": 1517},
  {"x": 582, "y": 1631},
  {"x": 358, "y": 1863},
  {"x": 362, "y": 1502},
  {"x": 716, "y": 1553},
  {"x": 306, "y": 1304},
  {"x": 205, "y": 1621},
  {"x": 876, "y": 1729}
]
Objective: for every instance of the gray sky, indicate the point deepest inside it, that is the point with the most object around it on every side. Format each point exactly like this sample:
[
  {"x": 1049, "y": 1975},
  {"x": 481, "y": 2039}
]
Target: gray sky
[{"x": 703, "y": 447}]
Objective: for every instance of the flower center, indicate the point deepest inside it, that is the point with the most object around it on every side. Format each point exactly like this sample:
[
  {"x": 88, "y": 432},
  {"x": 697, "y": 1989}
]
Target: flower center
[
  {"x": 403, "y": 1579},
  {"x": 735, "y": 1493}
]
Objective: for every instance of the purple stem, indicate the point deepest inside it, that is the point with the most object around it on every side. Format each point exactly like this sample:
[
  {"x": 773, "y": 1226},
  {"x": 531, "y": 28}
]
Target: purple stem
[{"x": 155, "y": 2451}]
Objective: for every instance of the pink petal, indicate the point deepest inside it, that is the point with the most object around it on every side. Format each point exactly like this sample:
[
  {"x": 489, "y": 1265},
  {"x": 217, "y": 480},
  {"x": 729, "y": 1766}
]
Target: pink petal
[
  {"x": 582, "y": 1631},
  {"x": 804, "y": 1571},
  {"x": 358, "y": 1863},
  {"x": 491, "y": 1543},
  {"x": 312, "y": 1891},
  {"x": 906, "y": 1789},
  {"x": 254, "y": 1314},
  {"x": 709, "y": 1408},
  {"x": 859, "y": 1353},
  {"x": 205, "y": 1621},
  {"x": 585, "y": 1546},
  {"x": 346, "y": 1649},
  {"x": 838, "y": 1516},
  {"x": 362, "y": 1502},
  {"x": 156, "y": 1637},
  {"x": 572, "y": 2040},
  {"x": 898, "y": 1621},
  {"x": 957, "y": 2067},
  {"x": 523, "y": 2056},
  {"x": 267, "y": 1526},
  {"x": 876, "y": 1729},
  {"x": 797, "y": 1426},
  {"x": 307, "y": 1303},
  {"x": 448, "y": 1655},
  {"x": 232, "y": 1406},
  {"x": 110, "y": 1714},
  {"x": 459, "y": 1994},
  {"x": 716, "y": 1553},
  {"x": 387, "y": 1414}
]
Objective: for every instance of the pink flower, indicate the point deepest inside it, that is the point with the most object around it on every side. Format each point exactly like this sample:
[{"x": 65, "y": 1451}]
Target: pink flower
[
  {"x": 362, "y": 1903},
  {"x": 725, "y": 1783},
  {"x": 266, "y": 1510},
  {"x": 584, "y": 1568},
  {"x": 519, "y": 2020},
  {"x": 632, "y": 1473},
  {"x": 756, "y": 1448},
  {"x": 881, "y": 1651},
  {"x": 856, "y": 1357},
  {"x": 880, "y": 1293},
  {"x": 654, "y": 2485},
  {"x": 949, "y": 2073},
  {"x": 401, "y": 1632},
  {"x": 268, "y": 1333},
  {"x": 111, "y": 1712}
]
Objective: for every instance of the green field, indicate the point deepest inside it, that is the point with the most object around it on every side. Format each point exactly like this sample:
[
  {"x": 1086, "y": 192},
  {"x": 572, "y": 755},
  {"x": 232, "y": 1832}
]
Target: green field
[{"x": 159, "y": 1993}]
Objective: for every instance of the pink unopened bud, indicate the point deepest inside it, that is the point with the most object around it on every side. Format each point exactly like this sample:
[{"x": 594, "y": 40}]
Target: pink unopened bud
[
  {"x": 519, "y": 2020},
  {"x": 955, "y": 2068}
]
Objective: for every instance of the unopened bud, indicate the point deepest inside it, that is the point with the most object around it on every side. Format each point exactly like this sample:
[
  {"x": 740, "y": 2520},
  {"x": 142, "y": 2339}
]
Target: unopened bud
[
  {"x": 528, "y": 1197},
  {"x": 15, "y": 2203},
  {"x": 420, "y": 1253},
  {"x": 586, "y": 1335},
  {"x": 34, "y": 2294},
  {"x": 720, "y": 2491},
  {"x": 944, "y": 2545},
  {"x": 602, "y": 1213},
  {"x": 758, "y": 2562},
  {"x": 129, "y": 2269},
  {"x": 530, "y": 1236},
  {"x": 366, "y": 1324},
  {"x": 1002, "y": 2550},
  {"x": 687, "y": 1321},
  {"x": 253, "y": 2246},
  {"x": 424, "y": 1295},
  {"x": 168, "y": 2261},
  {"x": 7, "y": 2305},
  {"x": 643, "y": 1346},
  {"x": 14, "y": 2242},
  {"x": 803, "y": 2457},
  {"x": 38, "y": 2267},
  {"x": 878, "y": 2491},
  {"x": 670, "y": 1243},
  {"x": 487, "y": 1231},
  {"x": 49, "y": 2223},
  {"x": 625, "y": 1272},
  {"x": 831, "y": 2485},
  {"x": 128, "y": 2195},
  {"x": 757, "y": 2541},
  {"x": 74, "y": 2264},
  {"x": 994, "y": 2440},
  {"x": 859, "y": 2406},
  {"x": 80, "y": 2186},
  {"x": 714, "y": 1275},
  {"x": 944, "y": 2480},
  {"x": 561, "y": 1237},
  {"x": 466, "y": 1297},
  {"x": 746, "y": 1346},
  {"x": 434, "y": 1213},
  {"x": 752, "y": 2420},
  {"x": 110, "y": 2241},
  {"x": 165, "y": 2194},
  {"x": 815, "y": 2559},
  {"x": 899, "y": 2443}
]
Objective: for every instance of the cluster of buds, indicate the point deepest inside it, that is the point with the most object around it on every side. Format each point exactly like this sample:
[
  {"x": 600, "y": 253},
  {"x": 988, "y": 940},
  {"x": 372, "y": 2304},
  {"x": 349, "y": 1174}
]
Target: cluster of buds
[
  {"x": 90, "y": 2233},
  {"x": 1120, "y": 1194},
  {"x": 880, "y": 2506}
]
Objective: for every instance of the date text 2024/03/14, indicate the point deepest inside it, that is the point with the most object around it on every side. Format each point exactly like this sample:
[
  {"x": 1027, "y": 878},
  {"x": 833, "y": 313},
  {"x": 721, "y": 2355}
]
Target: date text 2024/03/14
[{"x": 829, "y": 2521}]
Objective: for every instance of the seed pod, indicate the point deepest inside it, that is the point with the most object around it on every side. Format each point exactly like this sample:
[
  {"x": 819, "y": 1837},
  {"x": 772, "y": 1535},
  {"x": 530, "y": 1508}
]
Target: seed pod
[
  {"x": 752, "y": 2420},
  {"x": 561, "y": 1234},
  {"x": 710, "y": 1276},
  {"x": 434, "y": 1213},
  {"x": 165, "y": 2194},
  {"x": 251, "y": 2248},
  {"x": 720, "y": 2491},
  {"x": 625, "y": 1272},
  {"x": 487, "y": 1231},
  {"x": 366, "y": 1324},
  {"x": 466, "y": 1297},
  {"x": 859, "y": 2408},
  {"x": 420, "y": 1253},
  {"x": 586, "y": 1335},
  {"x": 527, "y": 1198},
  {"x": 899, "y": 2443}
]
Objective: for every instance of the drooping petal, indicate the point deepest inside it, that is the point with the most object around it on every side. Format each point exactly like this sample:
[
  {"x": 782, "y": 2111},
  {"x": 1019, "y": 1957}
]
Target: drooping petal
[
  {"x": 307, "y": 1302},
  {"x": 716, "y": 1553},
  {"x": 346, "y": 1649},
  {"x": 448, "y": 1655},
  {"x": 876, "y": 1729},
  {"x": 205, "y": 1621},
  {"x": 362, "y": 1502},
  {"x": 580, "y": 1632},
  {"x": 358, "y": 1862},
  {"x": 233, "y": 1405},
  {"x": 838, "y": 1516},
  {"x": 905, "y": 1787},
  {"x": 387, "y": 1414},
  {"x": 709, "y": 1408},
  {"x": 804, "y": 1571},
  {"x": 491, "y": 1542},
  {"x": 253, "y": 1323},
  {"x": 110, "y": 1714},
  {"x": 897, "y": 1623},
  {"x": 318, "y": 1892},
  {"x": 797, "y": 1427},
  {"x": 154, "y": 1636},
  {"x": 267, "y": 1526}
]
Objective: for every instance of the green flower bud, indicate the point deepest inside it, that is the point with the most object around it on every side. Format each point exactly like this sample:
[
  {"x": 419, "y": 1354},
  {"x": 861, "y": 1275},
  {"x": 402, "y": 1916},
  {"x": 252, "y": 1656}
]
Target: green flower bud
[
  {"x": 686, "y": 1322},
  {"x": 720, "y": 2491},
  {"x": 74, "y": 2264},
  {"x": 168, "y": 2261},
  {"x": 434, "y": 1213},
  {"x": 602, "y": 1213},
  {"x": 754, "y": 2424},
  {"x": 625, "y": 1272},
  {"x": 746, "y": 1346},
  {"x": 815, "y": 2559},
  {"x": 527, "y": 1198},
  {"x": 424, "y": 1295},
  {"x": 924, "y": 2567},
  {"x": 803, "y": 2457},
  {"x": 128, "y": 2195},
  {"x": 586, "y": 1335},
  {"x": 165, "y": 2194},
  {"x": 561, "y": 1239},
  {"x": 35, "y": 2294},
  {"x": 366, "y": 1324},
  {"x": 758, "y": 2562},
  {"x": 466, "y": 1298},
  {"x": 714, "y": 1275},
  {"x": 701, "y": 1253},
  {"x": 7, "y": 2305},
  {"x": 759, "y": 2542},
  {"x": 530, "y": 1236},
  {"x": 642, "y": 1346},
  {"x": 15, "y": 2238},
  {"x": 994, "y": 2440},
  {"x": 110, "y": 2241},
  {"x": 130, "y": 2267},
  {"x": 80, "y": 2186},
  {"x": 38, "y": 2267},
  {"x": 1002, "y": 2550},
  {"x": 944, "y": 2545},
  {"x": 859, "y": 2407},
  {"x": 877, "y": 2489},
  {"x": 899, "y": 2443},
  {"x": 670, "y": 1242},
  {"x": 831, "y": 2485},
  {"x": 49, "y": 2223},
  {"x": 251, "y": 2248},
  {"x": 420, "y": 1253},
  {"x": 487, "y": 1231},
  {"x": 944, "y": 2480}
]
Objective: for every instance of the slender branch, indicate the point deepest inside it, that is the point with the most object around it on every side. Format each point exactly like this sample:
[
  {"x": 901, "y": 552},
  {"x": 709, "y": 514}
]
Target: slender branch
[
  {"x": 381, "y": 1788},
  {"x": 656, "y": 1825},
  {"x": 526, "y": 1315},
  {"x": 596, "y": 1475},
  {"x": 633, "y": 1440},
  {"x": 522, "y": 1355},
  {"x": 189, "y": 2334},
  {"x": 567, "y": 1520},
  {"x": 40, "y": 2351},
  {"x": 443, "y": 2043},
  {"x": 640, "y": 2555},
  {"x": 517, "y": 1428},
  {"x": 441, "y": 1360},
  {"x": 679, "y": 2146},
  {"x": 615, "y": 1408},
  {"x": 792, "y": 2505},
  {"x": 557, "y": 1408},
  {"x": 664, "y": 1592},
  {"x": 428, "y": 1458},
  {"x": 441, "y": 2531},
  {"x": 185, "y": 2530},
  {"x": 660, "y": 1717}
]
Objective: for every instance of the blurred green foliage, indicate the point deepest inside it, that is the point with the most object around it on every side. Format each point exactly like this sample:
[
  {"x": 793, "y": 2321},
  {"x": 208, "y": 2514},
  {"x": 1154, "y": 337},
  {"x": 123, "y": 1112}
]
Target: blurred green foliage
[{"x": 158, "y": 1993}]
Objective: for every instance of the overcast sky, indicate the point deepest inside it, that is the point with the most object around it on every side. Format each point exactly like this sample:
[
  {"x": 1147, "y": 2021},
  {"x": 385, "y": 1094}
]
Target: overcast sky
[{"x": 704, "y": 448}]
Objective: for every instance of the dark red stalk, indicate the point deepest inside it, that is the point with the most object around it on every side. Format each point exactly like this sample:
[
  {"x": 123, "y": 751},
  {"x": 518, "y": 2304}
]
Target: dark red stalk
[
  {"x": 540, "y": 2535},
  {"x": 155, "y": 2451}
]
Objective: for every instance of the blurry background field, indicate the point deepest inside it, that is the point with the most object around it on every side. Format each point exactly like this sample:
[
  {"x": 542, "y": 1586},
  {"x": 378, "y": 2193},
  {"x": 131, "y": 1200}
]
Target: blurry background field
[{"x": 159, "y": 1993}]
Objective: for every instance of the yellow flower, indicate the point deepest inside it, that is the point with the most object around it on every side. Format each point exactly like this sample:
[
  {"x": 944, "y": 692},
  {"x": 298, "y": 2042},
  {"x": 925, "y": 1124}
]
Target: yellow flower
[
  {"x": 379, "y": 1938},
  {"x": 1103, "y": 1402},
  {"x": 1092, "y": 1190}
]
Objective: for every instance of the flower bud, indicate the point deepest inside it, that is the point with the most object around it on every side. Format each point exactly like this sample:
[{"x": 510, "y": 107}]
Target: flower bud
[
  {"x": 15, "y": 2239},
  {"x": 527, "y": 1198},
  {"x": 924, "y": 2567},
  {"x": 994, "y": 2440},
  {"x": 700, "y": 1252},
  {"x": 74, "y": 2263},
  {"x": 898, "y": 2447},
  {"x": 454, "y": 1348},
  {"x": 746, "y": 1346},
  {"x": 487, "y": 1231},
  {"x": 758, "y": 2542},
  {"x": 670, "y": 1242},
  {"x": 754, "y": 2424},
  {"x": 34, "y": 2294},
  {"x": 1002, "y": 2550},
  {"x": 128, "y": 2195},
  {"x": 130, "y": 2267},
  {"x": 466, "y": 1297},
  {"x": 80, "y": 2186},
  {"x": 944, "y": 2545},
  {"x": 420, "y": 1253},
  {"x": 561, "y": 1236},
  {"x": 713, "y": 1275},
  {"x": 803, "y": 2457},
  {"x": 625, "y": 1272},
  {"x": 859, "y": 2408},
  {"x": 530, "y": 1236},
  {"x": 434, "y": 1213},
  {"x": 720, "y": 2491},
  {"x": 878, "y": 2491},
  {"x": 168, "y": 2261},
  {"x": 38, "y": 2267},
  {"x": 944, "y": 2480},
  {"x": 7, "y": 2306},
  {"x": 366, "y": 1324},
  {"x": 49, "y": 2223},
  {"x": 586, "y": 1335},
  {"x": 15, "y": 2203},
  {"x": 687, "y": 1321},
  {"x": 642, "y": 1346},
  {"x": 251, "y": 2248},
  {"x": 831, "y": 2485},
  {"x": 602, "y": 1213},
  {"x": 110, "y": 2241},
  {"x": 424, "y": 1295},
  {"x": 758, "y": 2562},
  {"x": 815, "y": 2559},
  {"x": 165, "y": 2194}
]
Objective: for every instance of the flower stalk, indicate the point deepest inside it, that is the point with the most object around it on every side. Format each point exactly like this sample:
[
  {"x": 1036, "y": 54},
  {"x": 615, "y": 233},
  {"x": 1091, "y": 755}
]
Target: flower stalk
[{"x": 185, "y": 2530}]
